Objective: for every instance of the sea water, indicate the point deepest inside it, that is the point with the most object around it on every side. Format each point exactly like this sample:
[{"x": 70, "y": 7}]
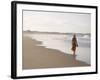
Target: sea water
[{"x": 63, "y": 43}]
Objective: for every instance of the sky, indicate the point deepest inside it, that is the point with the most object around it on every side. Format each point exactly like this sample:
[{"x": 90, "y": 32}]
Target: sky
[{"x": 65, "y": 22}]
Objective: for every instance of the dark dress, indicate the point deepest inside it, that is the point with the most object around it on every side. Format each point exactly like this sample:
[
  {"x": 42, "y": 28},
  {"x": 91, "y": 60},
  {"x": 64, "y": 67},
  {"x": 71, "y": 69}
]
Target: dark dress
[{"x": 74, "y": 44}]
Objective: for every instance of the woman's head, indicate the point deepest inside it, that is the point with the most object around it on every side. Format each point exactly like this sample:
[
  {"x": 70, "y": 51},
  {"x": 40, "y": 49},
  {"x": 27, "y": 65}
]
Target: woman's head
[{"x": 74, "y": 36}]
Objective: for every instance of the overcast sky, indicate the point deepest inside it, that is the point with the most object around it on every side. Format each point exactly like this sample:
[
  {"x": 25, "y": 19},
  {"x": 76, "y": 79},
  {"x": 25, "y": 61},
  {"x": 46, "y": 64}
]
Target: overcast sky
[{"x": 56, "y": 22}]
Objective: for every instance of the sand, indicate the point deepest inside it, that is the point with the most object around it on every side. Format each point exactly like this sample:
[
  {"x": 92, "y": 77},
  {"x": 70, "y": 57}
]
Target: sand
[{"x": 38, "y": 57}]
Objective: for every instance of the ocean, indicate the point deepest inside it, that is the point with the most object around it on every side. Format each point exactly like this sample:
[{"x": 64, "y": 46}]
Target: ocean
[{"x": 62, "y": 42}]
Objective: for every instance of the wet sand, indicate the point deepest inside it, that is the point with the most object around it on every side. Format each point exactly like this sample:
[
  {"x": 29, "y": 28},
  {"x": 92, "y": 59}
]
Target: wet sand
[{"x": 37, "y": 57}]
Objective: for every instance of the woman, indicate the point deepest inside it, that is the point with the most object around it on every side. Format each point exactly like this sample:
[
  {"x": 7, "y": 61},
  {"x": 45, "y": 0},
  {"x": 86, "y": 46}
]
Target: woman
[{"x": 74, "y": 44}]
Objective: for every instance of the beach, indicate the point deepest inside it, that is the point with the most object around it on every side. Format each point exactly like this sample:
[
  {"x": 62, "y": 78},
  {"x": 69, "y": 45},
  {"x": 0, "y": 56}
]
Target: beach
[{"x": 37, "y": 57}]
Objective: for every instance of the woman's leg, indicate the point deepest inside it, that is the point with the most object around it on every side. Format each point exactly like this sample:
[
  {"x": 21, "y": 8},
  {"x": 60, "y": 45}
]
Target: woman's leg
[{"x": 73, "y": 52}]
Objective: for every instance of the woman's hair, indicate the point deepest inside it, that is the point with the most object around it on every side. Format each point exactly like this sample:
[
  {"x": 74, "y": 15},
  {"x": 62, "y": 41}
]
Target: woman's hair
[{"x": 74, "y": 36}]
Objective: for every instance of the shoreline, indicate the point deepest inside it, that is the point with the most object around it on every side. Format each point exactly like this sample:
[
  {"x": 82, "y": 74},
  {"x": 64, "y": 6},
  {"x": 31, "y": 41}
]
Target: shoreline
[{"x": 37, "y": 57}]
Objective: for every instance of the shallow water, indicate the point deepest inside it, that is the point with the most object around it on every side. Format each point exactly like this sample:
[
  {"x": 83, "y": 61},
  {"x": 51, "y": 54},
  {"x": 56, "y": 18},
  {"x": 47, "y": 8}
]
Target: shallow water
[{"x": 63, "y": 43}]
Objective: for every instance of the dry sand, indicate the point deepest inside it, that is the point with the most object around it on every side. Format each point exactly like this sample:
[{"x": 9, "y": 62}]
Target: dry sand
[{"x": 37, "y": 57}]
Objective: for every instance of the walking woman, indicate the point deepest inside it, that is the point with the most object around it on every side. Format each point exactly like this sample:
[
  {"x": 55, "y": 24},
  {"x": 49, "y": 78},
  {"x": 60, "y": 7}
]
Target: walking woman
[{"x": 74, "y": 44}]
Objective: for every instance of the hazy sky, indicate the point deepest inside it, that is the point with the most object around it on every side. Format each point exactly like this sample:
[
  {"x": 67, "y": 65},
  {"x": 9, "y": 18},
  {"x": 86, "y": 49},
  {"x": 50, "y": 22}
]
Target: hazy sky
[{"x": 56, "y": 22}]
